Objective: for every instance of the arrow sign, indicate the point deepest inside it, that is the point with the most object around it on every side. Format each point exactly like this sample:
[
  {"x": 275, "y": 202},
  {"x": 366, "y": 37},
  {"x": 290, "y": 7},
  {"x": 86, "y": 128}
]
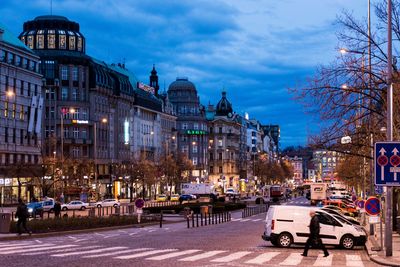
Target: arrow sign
[{"x": 386, "y": 166}]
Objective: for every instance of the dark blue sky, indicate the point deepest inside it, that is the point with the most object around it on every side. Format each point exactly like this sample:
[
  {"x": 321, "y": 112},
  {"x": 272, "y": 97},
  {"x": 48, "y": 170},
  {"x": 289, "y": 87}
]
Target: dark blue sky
[{"x": 254, "y": 49}]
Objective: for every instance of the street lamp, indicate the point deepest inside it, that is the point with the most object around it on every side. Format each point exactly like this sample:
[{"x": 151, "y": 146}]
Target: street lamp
[
  {"x": 104, "y": 121},
  {"x": 63, "y": 113}
]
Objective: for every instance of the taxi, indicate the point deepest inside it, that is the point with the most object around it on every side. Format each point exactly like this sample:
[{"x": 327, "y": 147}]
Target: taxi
[
  {"x": 174, "y": 197},
  {"x": 343, "y": 206},
  {"x": 161, "y": 198}
]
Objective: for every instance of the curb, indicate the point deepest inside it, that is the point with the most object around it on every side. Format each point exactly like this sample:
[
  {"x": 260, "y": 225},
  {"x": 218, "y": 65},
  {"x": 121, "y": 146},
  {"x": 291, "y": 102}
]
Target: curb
[{"x": 372, "y": 255}]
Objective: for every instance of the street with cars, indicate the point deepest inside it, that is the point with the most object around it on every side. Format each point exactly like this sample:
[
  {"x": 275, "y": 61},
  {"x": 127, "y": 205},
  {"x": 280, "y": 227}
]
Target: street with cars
[{"x": 235, "y": 243}]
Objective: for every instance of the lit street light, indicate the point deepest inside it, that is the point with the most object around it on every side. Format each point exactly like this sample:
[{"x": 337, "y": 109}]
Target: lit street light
[{"x": 104, "y": 121}]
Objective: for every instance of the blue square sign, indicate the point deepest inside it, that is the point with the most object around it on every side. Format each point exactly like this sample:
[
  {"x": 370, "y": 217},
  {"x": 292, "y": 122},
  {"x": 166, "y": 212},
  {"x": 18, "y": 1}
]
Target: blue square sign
[{"x": 387, "y": 163}]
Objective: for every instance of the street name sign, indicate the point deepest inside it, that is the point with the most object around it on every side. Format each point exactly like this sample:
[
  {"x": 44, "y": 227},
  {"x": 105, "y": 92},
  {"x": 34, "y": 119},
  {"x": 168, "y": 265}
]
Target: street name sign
[{"x": 387, "y": 163}]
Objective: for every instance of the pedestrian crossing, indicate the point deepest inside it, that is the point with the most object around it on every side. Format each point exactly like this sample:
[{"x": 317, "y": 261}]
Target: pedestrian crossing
[
  {"x": 246, "y": 220},
  {"x": 124, "y": 253}
]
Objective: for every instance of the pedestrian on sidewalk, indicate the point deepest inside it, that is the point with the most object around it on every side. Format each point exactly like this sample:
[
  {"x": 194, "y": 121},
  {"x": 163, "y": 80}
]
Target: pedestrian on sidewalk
[
  {"x": 314, "y": 240},
  {"x": 22, "y": 214}
]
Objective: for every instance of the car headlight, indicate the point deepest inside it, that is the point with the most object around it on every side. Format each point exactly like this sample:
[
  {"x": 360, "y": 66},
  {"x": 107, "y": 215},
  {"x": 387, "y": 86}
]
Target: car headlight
[{"x": 30, "y": 210}]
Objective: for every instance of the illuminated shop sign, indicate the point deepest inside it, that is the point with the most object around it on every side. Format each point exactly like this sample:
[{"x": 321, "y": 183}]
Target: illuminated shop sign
[
  {"x": 196, "y": 132},
  {"x": 80, "y": 122},
  {"x": 126, "y": 132},
  {"x": 145, "y": 87}
]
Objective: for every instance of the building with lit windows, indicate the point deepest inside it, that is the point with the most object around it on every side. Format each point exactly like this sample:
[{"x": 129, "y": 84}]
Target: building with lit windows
[
  {"x": 21, "y": 106},
  {"x": 191, "y": 126},
  {"x": 227, "y": 146}
]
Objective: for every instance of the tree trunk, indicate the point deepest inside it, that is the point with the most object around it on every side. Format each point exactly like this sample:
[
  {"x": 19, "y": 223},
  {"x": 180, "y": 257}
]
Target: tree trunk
[
  {"x": 19, "y": 187},
  {"x": 131, "y": 192}
]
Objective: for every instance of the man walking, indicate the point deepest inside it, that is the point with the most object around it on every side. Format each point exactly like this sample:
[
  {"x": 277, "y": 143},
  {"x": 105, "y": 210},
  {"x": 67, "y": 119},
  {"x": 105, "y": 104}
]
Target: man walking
[
  {"x": 22, "y": 214},
  {"x": 314, "y": 239}
]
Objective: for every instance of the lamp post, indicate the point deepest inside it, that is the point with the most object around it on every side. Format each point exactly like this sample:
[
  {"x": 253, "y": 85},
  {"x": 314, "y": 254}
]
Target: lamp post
[
  {"x": 104, "y": 121},
  {"x": 63, "y": 113}
]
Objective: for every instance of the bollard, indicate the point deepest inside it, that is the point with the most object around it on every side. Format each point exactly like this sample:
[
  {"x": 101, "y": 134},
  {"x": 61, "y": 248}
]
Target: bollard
[
  {"x": 205, "y": 219},
  {"x": 197, "y": 219},
  {"x": 219, "y": 217},
  {"x": 192, "y": 220},
  {"x": 161, "y": 219},
  {"x": 201, "y": 219},
  {"x": 209, "y": 219},
  {"x": 188, "y": 222}
]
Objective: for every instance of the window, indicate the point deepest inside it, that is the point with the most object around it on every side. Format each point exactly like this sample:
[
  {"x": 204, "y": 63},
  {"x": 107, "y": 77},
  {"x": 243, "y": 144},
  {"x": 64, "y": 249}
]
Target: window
[
  {"x": 39, "y": 41},
  {"x": 75, "y": 132},
  {"x": 75, "y": 94},
  {"x": 195, "y": 126},
  {"x": 194, "y": 149},
  {"x": 195, "y": 161},
  {"x": 64, "y": 73},
  {"x": 220, "y": 142},
  {"x": 6, "y": 134},
  {"x": 71, "y": 42},
  {"x": 62, "y": 42},
  {"x": 14, "y": 110},
  {"x": 184, "y": 126},
  {"x": 18, "y": 60},
  {"x": 51, "y": 41},
  {"x": 22, "y": 113},
  {"x": 79, "y": 44},
  {"x": 211, "y": 156},
  {"x": 6, "y": 104},
  {"x": 211, "y": 169},
  {"x": 220, "y": 130},
  {"x": 75, "y": 73},
  {"x": 185, "y": 149},
  {"x": 75, "y": 152},
  {"x": 52, "y": 113},
  {"x": 10, "y": 58},
  {"x": 21, "y": 136},
  {"x": 2, "y": 55},
  {"x": 83, "y": 134},
  {"x": 220, "y": 169},
  {"x": 14, "y": 135},
  {"x": 220, "y": 156},
  {"x": 64, "y": 93}
]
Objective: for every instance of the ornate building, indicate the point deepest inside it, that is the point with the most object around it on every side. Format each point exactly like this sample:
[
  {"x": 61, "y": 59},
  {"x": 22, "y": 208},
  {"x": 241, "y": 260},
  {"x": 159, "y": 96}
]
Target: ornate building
[
  {"x": 191, "y": 125},
  {"x": 227, "y": 146},
  {"x": 21, "y": 106}
]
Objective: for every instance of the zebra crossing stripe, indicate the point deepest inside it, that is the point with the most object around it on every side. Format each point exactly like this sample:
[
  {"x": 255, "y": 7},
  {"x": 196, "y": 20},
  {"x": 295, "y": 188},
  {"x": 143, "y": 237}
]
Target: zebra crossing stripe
[
  {"x": 173, "y": 254},
  {"x": 293, "y": 259},
  {"x": 354, "y": 261},
  {"x": 59, "y": 250},
  {"x": 47, "y": 249},
  {"x": 232, "y": 257},
  {"x": 116, "y": 253},
  {"x": 15, "y": 244},
  {"x": 323, "y": 261},
  {"x": 86, "y": 252},
  {"x": 143, "y": 254},
  {"x": 265, "y": 257},
  {"x": 18, "y": 249},
  {"x": 203, "y": 255}
]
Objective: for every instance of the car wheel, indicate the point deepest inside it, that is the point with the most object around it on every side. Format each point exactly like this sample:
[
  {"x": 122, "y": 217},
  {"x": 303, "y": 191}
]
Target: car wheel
[
  {"x": 83, "y": 208},
  {"x": 285, "y": 240},
  {"x": 347, "y": 242},
  {"x": 99, "y": 206},
  {"x": 65, "y": 208}
]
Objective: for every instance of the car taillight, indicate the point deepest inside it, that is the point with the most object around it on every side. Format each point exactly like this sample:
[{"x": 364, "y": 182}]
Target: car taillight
[{"x": 272, "y": 224}]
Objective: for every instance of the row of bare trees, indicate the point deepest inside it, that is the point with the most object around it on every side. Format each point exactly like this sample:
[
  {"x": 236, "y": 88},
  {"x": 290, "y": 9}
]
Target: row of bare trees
[
  {"x": 350, "y": 93},
  {"x": 272, "y": 172}
]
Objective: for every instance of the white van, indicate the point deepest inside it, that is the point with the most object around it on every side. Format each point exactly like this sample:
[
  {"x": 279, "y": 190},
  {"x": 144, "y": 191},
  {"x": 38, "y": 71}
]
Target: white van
[{"x": 287, "y": 225}]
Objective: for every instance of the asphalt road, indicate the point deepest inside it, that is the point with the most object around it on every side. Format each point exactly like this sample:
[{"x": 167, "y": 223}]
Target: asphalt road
[{"x": 235, "y": 243}]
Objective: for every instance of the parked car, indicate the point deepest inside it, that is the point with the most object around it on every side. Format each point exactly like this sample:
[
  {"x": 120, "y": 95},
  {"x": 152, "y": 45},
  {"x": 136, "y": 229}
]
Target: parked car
[
  {"x": 75, "y": 205},
  {"x": 287, "y": 225},
  {"x": 338, "y": 213},
  {"x": 342, "y": 205},
  {"x": 48, "y": 204},
  {"x": 161, "y": 198},
  {"x": 186, "y": 197},
  {"x": 107, "y": 203},
  {"x": 175, "y": 197},
  {"x": 34, "y": 208}
]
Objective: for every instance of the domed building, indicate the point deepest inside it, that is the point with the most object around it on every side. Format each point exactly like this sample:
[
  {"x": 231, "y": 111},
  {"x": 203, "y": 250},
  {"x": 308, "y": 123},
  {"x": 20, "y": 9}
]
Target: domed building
[
  {"x": 191, "y": 125},
  {"x": 227, "y": 147}
]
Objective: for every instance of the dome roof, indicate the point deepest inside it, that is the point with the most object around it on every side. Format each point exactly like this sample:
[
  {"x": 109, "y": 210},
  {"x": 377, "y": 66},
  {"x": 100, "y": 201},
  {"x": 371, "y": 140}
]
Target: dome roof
[
  {"x": 224, "y": 107},
  {"x": 182, "y": 84}
]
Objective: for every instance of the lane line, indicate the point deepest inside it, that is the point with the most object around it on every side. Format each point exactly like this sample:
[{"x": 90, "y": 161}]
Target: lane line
[
  {"x": 261, "y": 259},
  {"x": 232, "y": 257},
  {"x": 143, "y": 254},
  {"x": 173, "y": 255},
  {"x": 204, "y": 255}
]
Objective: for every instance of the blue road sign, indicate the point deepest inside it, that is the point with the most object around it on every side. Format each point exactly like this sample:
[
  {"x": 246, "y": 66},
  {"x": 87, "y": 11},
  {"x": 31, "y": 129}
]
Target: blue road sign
[
  {"x": 372, "y": 206},
  {"x": 387, "y": 163},
  {"x": 378, "y": 189}
]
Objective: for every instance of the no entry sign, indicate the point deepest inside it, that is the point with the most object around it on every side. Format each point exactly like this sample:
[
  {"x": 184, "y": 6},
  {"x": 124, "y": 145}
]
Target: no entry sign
[{"x": 372, "y": 206}]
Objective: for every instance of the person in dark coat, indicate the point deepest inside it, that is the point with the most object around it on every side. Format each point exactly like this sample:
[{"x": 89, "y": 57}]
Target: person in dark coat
[
  {"x": 22, "y": 214},
  {"x": 314, "y": 239},
  {"x": 57, "y": 209}
]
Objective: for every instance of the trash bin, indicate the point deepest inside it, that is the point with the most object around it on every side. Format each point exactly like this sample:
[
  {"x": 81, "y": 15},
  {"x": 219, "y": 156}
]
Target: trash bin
[
  {"x": 203, "y": 209},
  {"x": 5, "y": 220}
]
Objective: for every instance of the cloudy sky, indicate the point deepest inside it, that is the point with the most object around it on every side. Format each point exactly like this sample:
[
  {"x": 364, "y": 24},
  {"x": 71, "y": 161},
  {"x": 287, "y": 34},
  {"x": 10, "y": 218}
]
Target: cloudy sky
[{"x": 254, "y": 49}]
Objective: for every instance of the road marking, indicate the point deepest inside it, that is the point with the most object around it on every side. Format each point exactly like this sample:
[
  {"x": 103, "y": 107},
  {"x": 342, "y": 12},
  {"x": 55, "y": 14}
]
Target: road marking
[
  {"x": 22, "y": 250},
  {"x": 261, "y": 259},
  {"x": 47, "y": 250},
  {"x": 293, "y": 259},
  {"x": 134, "y": 233},
  {"x": 354, "y": 261},
  {"x": 173, "y": 254},
  {"x": 116, "y": 253},
  {"x": 38, "y": 241},
  {"x": 86, "y": 252},
  {"x": 143, "y": 254},
  {"x": 323, "y": 261},
  {"x": 244, "y": 220},
  {"x": 16, "y": 248},
  {"x": 79, "y": 240},
  {"x": 203, "y": 255},
  {"x": 232, "y": 257},
  {"x": 112, "y": 235},
  {"x": 256, "y": 220},
  {"x": 58, "y": 251},
  {"x": 15, "y": 244}
]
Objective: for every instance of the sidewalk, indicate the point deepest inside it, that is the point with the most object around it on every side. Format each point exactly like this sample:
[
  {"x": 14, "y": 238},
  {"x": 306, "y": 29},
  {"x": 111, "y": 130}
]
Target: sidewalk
[{"x": 376, "y": 253}]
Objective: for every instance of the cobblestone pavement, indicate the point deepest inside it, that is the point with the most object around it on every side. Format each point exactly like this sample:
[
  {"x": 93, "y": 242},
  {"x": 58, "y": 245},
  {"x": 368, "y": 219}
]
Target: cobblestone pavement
[{"x": 235, "y": 243}]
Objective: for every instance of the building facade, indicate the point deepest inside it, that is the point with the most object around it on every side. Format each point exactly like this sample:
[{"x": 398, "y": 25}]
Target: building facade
[{"x": 21, "y": 107}]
